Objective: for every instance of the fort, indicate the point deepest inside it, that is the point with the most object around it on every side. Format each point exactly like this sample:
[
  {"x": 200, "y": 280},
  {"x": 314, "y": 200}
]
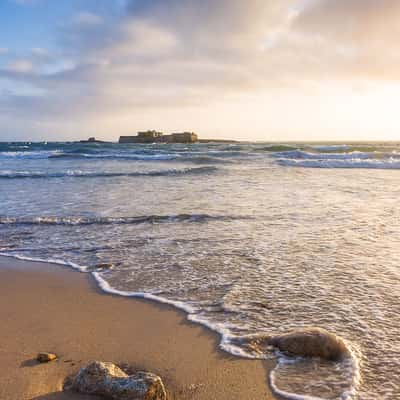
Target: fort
[{"x": 159, "y": 137}]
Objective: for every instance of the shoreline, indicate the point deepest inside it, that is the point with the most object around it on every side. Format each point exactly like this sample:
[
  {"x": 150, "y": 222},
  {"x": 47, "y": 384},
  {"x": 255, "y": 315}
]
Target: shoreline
[{"x": 53, "y": 308}]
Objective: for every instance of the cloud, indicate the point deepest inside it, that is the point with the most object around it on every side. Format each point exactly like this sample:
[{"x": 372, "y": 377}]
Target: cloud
[
  {"x": 85, "y": 18},
  {"x": 174, "y": 54},
  {"x": 366, "y": 31},
  {"x": 359, "y": 21},
  {"x": 220, "y": 27},
  {"x": 39, "y": 52},
  {"x": 20, "y": 66}
]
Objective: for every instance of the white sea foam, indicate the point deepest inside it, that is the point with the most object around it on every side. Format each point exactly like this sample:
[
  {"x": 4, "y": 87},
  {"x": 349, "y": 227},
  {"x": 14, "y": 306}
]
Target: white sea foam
[
  {"x": 78, "y": 267},
  {"x": 149, "y": 296},
  {"x": 152, "y": 219},
  {"x": 10, "y": 174},
  {"x": 40, "y": 154},
  {"x": 355, "y": 155},
  {"x": 337, "y": 163},
  {"x": 114, "y": 156},
  {"x": 351, "y": 365},
  {"x": 332, "y": 147},
  {"x": 226, "y": 338}
]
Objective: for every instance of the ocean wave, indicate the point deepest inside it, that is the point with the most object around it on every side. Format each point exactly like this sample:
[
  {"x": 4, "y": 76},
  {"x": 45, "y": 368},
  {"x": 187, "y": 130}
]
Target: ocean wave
[
  {"x": 336, "y": 148},
  {"x": 115, "y": 156},
  {"x": 345, "y": 163},
  {"x": 152, "y": 219},
  {"x": 195, "y": 159},
  {"x": 34, "y": 155},
  {"x": 89, "y": 174},
  {"x": 278, "y": 148},
  {"x": 199, "y": 158},
  {"x": 363, "y": 148},
  {"x": 355, "y": 155}
]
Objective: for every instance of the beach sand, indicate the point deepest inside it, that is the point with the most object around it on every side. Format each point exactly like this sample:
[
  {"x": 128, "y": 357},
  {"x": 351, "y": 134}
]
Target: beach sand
[{"x": 51, "y": 308}]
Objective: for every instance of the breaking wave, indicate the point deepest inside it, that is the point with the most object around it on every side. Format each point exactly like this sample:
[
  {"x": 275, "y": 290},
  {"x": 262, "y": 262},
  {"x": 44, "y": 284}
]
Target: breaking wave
[
  {"x": 278, "y": 148},
  {"x": 353, "y": 159},
  {"x": 114, "y": 156},
  {"x": 346, "y": 163},
  {"x": 34, "y": 155},
  {"x": 89, "y": 174},
  {"x": 152, "y": 219},
  {"x": 355, "y": 155}
]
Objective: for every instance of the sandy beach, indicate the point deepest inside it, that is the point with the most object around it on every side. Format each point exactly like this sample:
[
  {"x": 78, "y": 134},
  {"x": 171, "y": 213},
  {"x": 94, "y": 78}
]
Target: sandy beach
[{"x": 50, "y": 308}]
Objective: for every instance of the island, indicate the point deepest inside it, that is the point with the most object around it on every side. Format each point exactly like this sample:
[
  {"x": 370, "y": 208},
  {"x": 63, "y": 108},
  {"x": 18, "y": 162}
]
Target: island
[
  {"x": 153, "y": 136},
  {"x": 92, "y": 140},
  {"x": 158, "y": 137}
]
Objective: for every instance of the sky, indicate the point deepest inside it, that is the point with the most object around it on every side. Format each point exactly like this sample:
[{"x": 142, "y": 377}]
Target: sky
[{"x": 271, "y": 70}]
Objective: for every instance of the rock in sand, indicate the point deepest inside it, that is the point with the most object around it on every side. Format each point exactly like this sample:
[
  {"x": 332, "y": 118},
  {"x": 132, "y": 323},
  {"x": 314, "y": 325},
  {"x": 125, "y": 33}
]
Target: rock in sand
[
  {"x": 311, "y": 342},
  {"x": 108, "y": 380},
  {"x": 46, "y": 357}
]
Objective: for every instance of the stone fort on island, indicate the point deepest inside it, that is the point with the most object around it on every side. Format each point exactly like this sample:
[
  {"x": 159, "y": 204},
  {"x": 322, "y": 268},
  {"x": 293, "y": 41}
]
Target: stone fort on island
[{"x": 159, "y": 137}]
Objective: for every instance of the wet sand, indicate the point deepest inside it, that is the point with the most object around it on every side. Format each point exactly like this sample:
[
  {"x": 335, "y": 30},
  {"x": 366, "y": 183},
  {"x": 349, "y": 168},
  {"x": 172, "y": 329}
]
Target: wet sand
[{"x": 50, "y": 308}]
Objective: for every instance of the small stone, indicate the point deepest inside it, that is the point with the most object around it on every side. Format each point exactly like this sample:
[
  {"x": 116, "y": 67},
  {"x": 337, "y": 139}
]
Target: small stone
[
  {"x": 104, "y": 266},
  {"x": 46, "y": 357},
  {"x": 108, "y": 380}
]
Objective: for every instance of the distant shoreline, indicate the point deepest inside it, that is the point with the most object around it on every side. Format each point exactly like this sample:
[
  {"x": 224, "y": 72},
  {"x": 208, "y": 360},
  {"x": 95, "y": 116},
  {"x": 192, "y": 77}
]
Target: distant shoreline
[
  {"x": 202, "y": 141},
  {"x": 232, "y": 141},
  {"x": 205, "y": 141}
]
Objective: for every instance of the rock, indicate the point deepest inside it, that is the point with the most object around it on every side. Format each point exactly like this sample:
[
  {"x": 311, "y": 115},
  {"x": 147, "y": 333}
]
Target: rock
[
  {"x": 46, "y": 357},
  {"x": 311, "y": 342},
  {"x": 108, "y": 380},
  {"x": 104, "y": 266}
]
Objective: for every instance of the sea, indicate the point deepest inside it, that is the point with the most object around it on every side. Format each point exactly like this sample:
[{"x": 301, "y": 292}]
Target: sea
[{"x": 251, "y": 240}]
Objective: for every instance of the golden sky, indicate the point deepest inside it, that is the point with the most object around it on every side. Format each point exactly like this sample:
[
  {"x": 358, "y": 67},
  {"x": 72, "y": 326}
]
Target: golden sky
[{"x": 253, "y": 70}]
